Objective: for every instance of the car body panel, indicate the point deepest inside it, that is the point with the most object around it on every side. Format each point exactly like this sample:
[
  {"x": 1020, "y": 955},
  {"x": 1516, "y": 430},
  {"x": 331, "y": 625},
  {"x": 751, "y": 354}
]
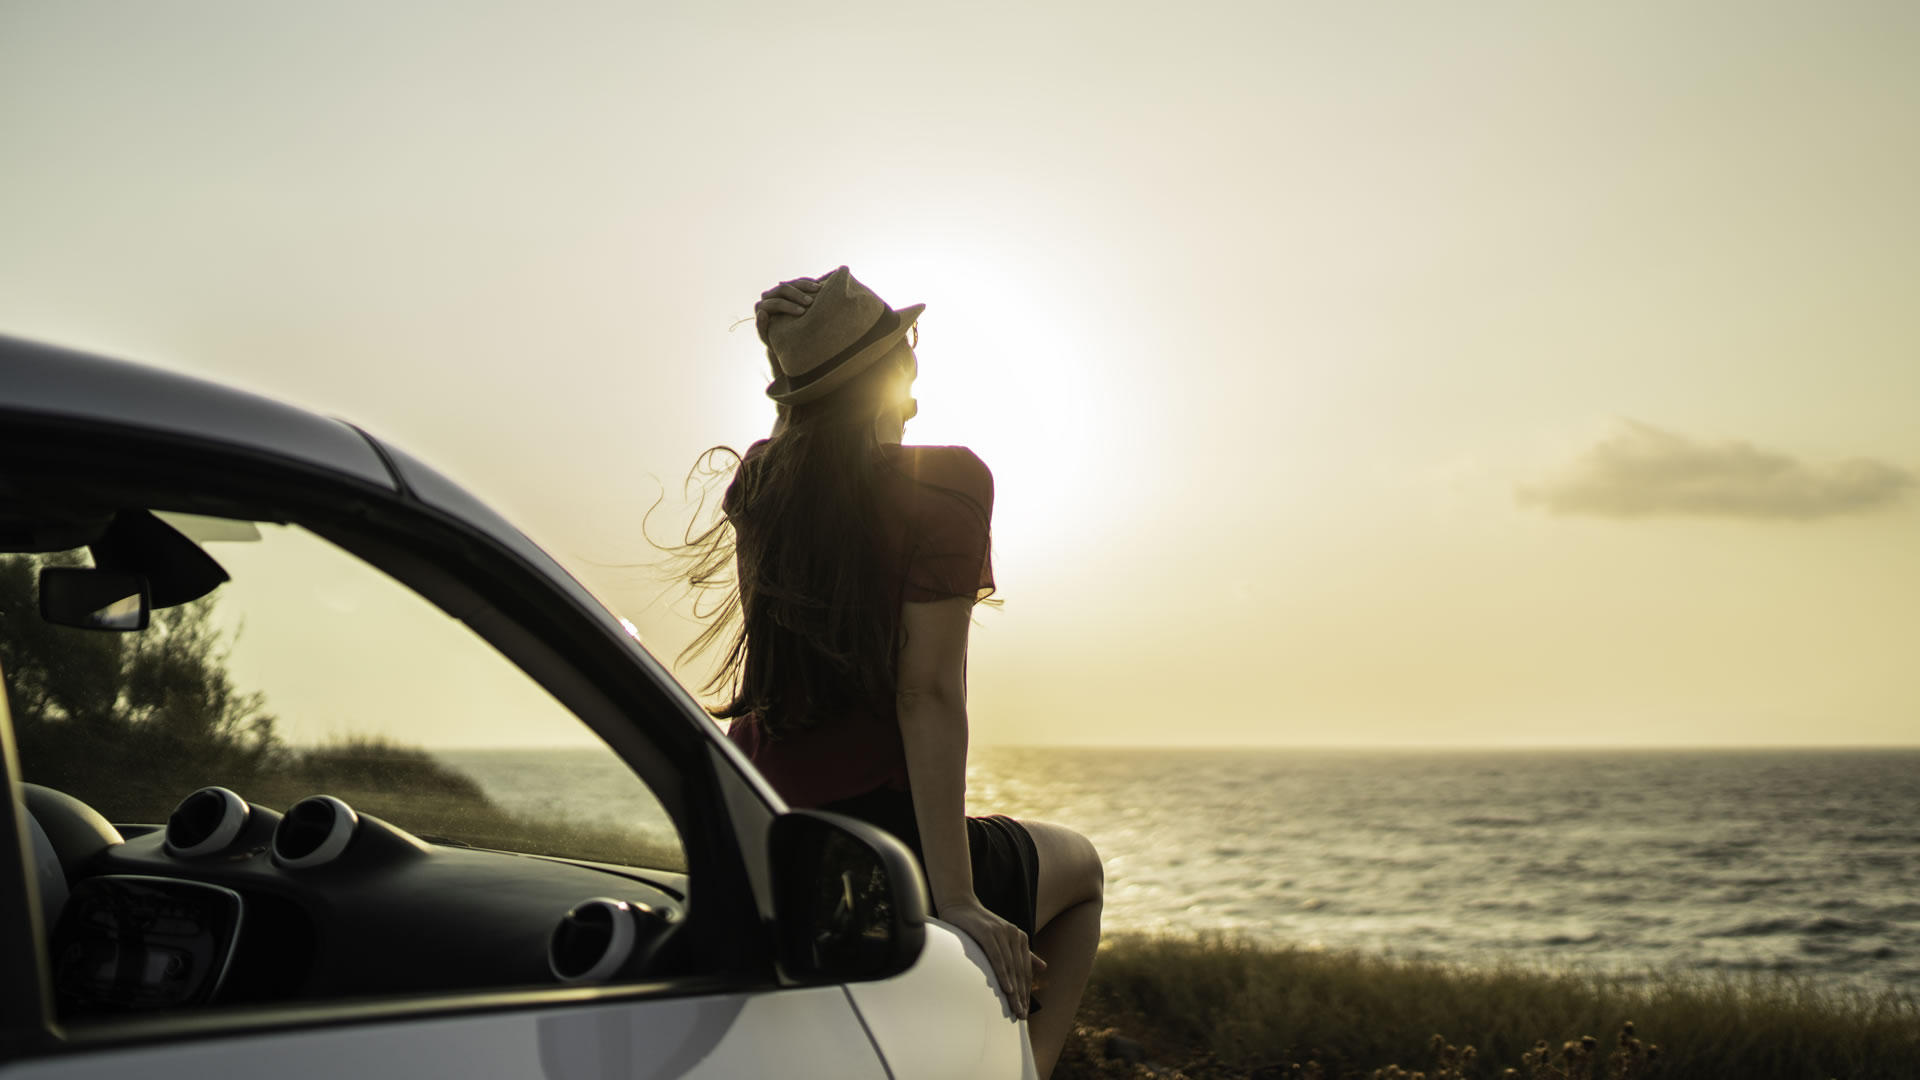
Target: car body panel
[
  {"x": 56, "y": 382},
  {"x": 977, "y": 1034},
  {"x": 798, "y": 1033}
]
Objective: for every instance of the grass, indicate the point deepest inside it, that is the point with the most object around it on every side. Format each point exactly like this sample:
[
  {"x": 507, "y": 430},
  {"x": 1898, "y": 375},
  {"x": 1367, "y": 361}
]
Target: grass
[
  {"x": 437, "y": 817},
  {"x": 411, "y": 788},
  {"x": 403, "y": 785},
  {"x": 1217, "y": 1008}
]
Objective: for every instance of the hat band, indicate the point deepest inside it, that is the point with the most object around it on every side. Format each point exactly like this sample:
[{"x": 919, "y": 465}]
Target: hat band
[{"x": 889, "y": 322}]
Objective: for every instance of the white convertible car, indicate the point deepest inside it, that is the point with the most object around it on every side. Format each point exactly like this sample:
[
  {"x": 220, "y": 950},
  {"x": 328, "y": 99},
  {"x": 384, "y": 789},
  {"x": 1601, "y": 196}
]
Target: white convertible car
[{"x": 241, "y": 644}]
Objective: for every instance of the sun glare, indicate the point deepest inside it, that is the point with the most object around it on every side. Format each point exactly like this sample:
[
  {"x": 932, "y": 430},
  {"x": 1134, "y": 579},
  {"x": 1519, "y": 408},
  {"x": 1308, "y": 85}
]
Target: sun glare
[{"x": 1004, "y": 371}]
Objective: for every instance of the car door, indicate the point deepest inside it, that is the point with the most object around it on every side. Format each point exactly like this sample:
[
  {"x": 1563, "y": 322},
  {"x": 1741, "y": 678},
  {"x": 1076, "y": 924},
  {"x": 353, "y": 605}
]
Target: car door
[
  {"x": 721, "y": 1007},
  {"x": 793, "y": 1033}
]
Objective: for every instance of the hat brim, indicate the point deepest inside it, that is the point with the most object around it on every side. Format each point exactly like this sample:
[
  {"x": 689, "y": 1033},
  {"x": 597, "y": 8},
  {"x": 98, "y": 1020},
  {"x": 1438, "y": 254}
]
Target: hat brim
[{"x": 783, "y": 391}]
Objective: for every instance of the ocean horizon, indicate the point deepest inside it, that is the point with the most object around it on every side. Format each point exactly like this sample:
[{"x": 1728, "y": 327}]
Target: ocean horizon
[{"x": 1795, "y": 861}]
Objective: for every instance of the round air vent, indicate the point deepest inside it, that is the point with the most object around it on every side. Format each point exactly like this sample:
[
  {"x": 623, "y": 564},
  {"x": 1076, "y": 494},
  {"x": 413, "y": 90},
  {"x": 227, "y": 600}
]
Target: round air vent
[
  {"x": 315, "y": 831},
  {"x": 206, "y": 822},
  {"x": 594, "y": 939}
]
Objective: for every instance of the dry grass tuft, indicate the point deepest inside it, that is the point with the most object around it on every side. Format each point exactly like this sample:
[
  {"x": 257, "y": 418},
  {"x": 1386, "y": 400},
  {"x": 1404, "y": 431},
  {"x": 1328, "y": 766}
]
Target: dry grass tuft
[{"x": 1216, "y": 1008}]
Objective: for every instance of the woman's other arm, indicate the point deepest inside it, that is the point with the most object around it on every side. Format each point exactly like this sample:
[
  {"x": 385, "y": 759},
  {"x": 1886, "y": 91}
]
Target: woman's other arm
[{"x": 932, "y": 705}]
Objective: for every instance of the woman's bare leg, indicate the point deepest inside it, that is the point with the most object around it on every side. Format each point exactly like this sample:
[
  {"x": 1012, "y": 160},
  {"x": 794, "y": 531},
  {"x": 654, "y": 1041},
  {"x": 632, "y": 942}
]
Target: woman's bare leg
[{"x": 1067, "y": 914}]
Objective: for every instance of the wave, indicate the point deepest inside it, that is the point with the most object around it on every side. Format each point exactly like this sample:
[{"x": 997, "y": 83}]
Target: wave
[
  {"x": 1724, "y": 850},
  {"x": 1777, "y": 964},
  {"x": 1838, "y": 953},
  {"x": 1757, "y": 928},
  {"x": 1833, "y": 924},
  {"x": 1823, "y": 926}
]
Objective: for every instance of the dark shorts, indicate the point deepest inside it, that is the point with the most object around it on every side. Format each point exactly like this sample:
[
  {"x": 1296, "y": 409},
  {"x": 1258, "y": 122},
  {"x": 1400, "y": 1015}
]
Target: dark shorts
[{"x": 1006, "y": 868}]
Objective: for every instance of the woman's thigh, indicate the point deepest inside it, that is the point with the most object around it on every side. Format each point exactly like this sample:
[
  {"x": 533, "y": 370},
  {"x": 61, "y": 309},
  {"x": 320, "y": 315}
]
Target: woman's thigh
[{"x": 1070, "y": 870}]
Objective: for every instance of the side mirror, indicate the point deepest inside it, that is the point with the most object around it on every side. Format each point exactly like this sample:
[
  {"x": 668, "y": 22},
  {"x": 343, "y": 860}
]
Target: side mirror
[
  {"x": 95, "y": 599},
  {"x": 849, "y": 901}
]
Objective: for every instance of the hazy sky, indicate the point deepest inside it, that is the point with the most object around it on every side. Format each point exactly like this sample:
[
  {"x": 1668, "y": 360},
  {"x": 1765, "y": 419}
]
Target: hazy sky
[{"x": 1352, "y": 374}]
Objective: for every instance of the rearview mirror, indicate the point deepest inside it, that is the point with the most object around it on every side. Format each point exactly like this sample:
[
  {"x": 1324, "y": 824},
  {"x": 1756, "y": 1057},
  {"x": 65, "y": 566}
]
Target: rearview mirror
[
  {"x": 849, "y": 902},
  {"x": 95, "y": 599}
]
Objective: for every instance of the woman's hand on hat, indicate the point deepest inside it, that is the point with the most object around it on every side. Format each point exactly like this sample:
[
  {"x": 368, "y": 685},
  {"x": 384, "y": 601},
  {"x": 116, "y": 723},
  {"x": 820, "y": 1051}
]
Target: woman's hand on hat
[{"x": 787, "y": 298}]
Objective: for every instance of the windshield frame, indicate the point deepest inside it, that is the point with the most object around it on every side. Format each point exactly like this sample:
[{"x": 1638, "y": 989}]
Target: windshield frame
[{"x": 536, "y": 623}]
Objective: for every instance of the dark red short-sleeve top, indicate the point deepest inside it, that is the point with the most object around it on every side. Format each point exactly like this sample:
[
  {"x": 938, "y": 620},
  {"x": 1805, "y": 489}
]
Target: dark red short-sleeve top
[{"x": 936, "y": 507}]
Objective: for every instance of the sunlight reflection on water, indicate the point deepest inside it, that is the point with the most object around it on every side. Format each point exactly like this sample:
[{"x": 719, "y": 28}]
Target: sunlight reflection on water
[{"x": 1802, "y": 862}]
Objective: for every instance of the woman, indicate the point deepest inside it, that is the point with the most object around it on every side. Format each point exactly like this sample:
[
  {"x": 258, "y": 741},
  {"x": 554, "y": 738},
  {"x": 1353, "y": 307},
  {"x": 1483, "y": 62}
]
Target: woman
[{"x": 858, "y": 563}]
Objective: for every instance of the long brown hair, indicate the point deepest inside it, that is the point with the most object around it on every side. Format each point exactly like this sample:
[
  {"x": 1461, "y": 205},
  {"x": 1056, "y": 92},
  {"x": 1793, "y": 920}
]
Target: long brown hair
[{"x": 810, "y": 624}]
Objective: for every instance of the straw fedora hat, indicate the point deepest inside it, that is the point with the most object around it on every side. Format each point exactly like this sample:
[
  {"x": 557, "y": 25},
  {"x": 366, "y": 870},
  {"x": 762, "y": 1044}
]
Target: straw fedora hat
[{"x": 843, "y": 332}]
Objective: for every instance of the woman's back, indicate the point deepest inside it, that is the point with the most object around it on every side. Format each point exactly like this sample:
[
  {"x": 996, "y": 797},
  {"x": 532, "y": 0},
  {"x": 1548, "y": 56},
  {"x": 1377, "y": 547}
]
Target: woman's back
[{"x": 934, "y": 505}]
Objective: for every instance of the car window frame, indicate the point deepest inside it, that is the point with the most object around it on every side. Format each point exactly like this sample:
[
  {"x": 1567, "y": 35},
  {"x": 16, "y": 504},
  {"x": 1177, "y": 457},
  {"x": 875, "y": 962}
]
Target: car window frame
[
  {"x": 26, "y": 1014},
  {"x": 513, "y": 605}
]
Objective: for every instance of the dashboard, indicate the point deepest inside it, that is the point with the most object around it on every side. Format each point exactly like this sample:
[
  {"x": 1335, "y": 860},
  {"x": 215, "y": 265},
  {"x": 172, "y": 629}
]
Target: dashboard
[{"x": 231, "y": 903}]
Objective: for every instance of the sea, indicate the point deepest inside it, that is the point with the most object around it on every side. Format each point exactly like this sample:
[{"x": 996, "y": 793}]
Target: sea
[{"x": 1803, "y": 863}]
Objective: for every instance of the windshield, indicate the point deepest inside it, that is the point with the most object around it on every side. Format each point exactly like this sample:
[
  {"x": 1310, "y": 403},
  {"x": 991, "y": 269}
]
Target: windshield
[{"x": 312, "y": 672}]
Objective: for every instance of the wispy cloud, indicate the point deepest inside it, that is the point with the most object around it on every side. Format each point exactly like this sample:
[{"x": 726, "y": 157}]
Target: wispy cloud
[{"x": 1643, "y": 471}]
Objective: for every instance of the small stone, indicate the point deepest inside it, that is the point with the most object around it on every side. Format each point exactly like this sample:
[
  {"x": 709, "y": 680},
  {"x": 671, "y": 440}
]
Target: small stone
[{"x": 1121, "y": 1048}]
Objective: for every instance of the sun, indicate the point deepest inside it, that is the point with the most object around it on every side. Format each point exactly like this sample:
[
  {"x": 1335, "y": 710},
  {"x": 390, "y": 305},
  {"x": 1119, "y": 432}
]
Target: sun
[{"x": 1004, "y": 370}]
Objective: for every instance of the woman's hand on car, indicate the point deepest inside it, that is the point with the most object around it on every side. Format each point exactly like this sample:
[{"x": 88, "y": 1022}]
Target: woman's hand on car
[
  {"x": 1005, "y": 944},
  {"x": 787, "y": 298}
]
